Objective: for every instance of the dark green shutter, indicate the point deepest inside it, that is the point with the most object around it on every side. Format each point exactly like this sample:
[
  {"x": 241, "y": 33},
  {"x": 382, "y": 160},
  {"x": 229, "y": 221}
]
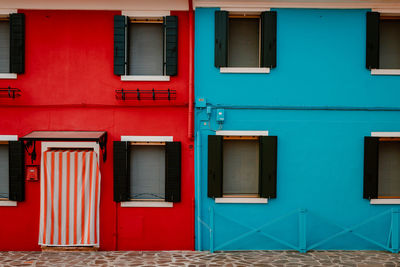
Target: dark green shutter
[
  {"x": 173, "y": 171},
  {"x": 121, "y": 171},
  {"x": 268, "y": 39},
  {"x": 171, "y": 49},
  {"x": 221, "y": 39},
  {"x": 371, "y": 157},
  {"x": 120, "y": 29},
  {"x": 17, "y": 43},
  {"x": 17, "y": 170},
  {"x": 372, "y": 57},
  {"x": 215, "y": 166},
  {"x": 268, "y": 163}
]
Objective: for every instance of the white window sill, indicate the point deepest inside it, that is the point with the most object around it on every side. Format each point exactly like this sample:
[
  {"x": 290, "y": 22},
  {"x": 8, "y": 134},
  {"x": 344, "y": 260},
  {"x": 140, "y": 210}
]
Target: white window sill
[
  {"x": 8, "y": 203},
  {"x": 224, "y": 200},
  {"x": 144, "y": 78},
  {"x": 146, "y": 204},
  {"x": 244, "y": 70},
  {"x": 385, "y": 72},
  {"x": 8, "y": 76},
  {"x": 384, "y": 201}
]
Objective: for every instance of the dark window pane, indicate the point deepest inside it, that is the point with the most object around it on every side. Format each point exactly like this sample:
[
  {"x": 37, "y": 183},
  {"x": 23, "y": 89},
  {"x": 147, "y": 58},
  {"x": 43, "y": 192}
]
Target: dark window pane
[
  {"x": 389, "y": 169},
  {"x": 4, "y": 171},
  {"x": 147, "y": 172},
  {"x": 243, "y": 47},
  {"x": 240, "y": 166},
  {"x": 389, "y": 50},
  {"x": 146, "y": 49},
  {"x": 4, "y": 47}
]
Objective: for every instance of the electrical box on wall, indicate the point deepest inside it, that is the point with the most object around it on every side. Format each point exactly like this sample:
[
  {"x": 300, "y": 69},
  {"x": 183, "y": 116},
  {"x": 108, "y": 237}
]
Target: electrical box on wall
[
  {"x": 220, "y": 115},
  {"x": 32, "y": 173}
]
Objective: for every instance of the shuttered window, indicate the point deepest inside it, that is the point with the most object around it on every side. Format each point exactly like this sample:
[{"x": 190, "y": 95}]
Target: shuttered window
[
  {"x": 4, "y": 172},
  {"x": 147, "y": 172},
  {"x": 4, "y": 46},
  {"x": 389, "y": 44},
  {"x": 389, "y": 169}
]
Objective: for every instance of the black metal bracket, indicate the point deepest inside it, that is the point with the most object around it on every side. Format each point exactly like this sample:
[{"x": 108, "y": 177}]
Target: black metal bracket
[
  {"x": 31, "y": 154},
  {"x": 138, "y": 94},
  {"x": 9, "y": 92},
  {"x": 103, "y": 146}
]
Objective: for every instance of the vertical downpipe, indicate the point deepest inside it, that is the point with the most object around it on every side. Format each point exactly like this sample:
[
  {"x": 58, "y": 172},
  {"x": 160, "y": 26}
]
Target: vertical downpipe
[
  {"x": 198, "y": 190},
  {"x": 191, "y": 70}
]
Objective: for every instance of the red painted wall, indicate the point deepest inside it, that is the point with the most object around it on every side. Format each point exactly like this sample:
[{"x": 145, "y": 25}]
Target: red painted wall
[{"x": 69, "y": 85}]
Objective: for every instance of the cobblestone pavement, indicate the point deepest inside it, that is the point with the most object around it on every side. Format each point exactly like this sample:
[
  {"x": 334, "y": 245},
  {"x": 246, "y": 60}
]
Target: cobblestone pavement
[{"x": 193, "y": 258}]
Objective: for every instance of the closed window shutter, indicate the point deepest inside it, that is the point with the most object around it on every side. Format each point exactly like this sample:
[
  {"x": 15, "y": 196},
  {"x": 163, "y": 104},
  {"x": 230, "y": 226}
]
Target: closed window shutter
[
  {"x": 120, "y": 29},
  {"x": 372, "y": 49},
  {"x": 171, "y": 35},
  {"x": 16, "y": 171},
  {"x": 371, "y": 159},
  {"x": 221, "y": 39},
  {"x": 17, "y": 43},
  {"x": 173, "y": 171},
  {"x": 268, "y": 166},
  {"x": 121, "y": 171},
  {"x": 215, "y": 166},
  {"x": 268, "y": 39}
]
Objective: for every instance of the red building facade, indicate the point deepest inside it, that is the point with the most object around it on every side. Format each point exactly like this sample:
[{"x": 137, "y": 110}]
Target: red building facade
[{"x": 69, "y": 85}]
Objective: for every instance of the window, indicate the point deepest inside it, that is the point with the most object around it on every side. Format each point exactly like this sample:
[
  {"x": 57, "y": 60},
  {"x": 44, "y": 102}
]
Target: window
[
  {"x": 4, "y": 171},
  {"x": 242, "y": 166},
  {"x": 383, "y": 43},
  {"x": 12, "y": 45},
  {"x": 382, "y": 168},
  {"x": 147, "y": 171},
  {"x": 145, "y": 48},
  {"x": 245, "y": 40}
]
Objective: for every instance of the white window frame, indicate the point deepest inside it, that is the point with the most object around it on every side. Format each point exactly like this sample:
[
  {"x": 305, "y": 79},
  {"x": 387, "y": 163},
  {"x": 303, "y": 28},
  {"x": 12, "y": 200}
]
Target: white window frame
[
  {"x": 391, "y": 72},
  {"x": 385, "y": 201},
  {"x": 249, "y": 70},
  {"x": 6, "y": 202},
  {"x": 3, "y": 13},
  {"x": 241, "y": 200},
  {"x": 145, "y": 14},
  {"x": 137, "y": 203}
]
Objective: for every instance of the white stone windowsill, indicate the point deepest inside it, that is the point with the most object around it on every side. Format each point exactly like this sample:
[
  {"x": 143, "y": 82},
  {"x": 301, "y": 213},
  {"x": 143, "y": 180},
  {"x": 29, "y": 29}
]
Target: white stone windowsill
[
  {"x": 240, "y": 200},
  {"x": 385, "y": 201},
  {"x": 8, "y": 76},
  {"x": 8, "y": 203},
  {"x": 147, "y": 204},
  {"x": 244, "y": 70},
  {"x": 160, "y": 78},
  {"x": 393, "y": 72}
]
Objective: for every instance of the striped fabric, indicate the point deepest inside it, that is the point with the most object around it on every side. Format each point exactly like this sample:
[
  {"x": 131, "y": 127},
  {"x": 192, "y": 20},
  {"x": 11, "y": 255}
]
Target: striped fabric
[{"x": 69, "y": 198}]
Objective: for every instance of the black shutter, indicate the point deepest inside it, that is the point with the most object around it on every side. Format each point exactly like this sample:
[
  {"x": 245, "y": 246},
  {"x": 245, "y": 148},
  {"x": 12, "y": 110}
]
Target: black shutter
[
  {"x": 215, "y": 166},
  {"x": 371, "y": 156},
  {"x": 16, "y": 170},
  {"x": 268, "y": 39},
  {"x": 120, "y": 29},
  {"x": 372, "y": 59},
  {"x": 221, "y": 39},
  {"x": 17, "y": 43},
  {"x": 121, "y": 171},
  {"x": 171, "y": 45},
  {"x": 173, "y": 171},
  {"x": 268, "y": 162}
]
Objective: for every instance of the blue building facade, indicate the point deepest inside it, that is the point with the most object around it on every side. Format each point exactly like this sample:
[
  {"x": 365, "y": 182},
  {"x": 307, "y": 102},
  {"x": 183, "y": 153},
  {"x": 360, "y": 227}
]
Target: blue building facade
[{"x": 320, "y": 101}]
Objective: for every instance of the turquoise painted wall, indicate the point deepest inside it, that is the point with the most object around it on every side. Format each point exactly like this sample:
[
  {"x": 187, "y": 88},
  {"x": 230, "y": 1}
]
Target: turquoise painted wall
[{"x": 320, "y": 101}]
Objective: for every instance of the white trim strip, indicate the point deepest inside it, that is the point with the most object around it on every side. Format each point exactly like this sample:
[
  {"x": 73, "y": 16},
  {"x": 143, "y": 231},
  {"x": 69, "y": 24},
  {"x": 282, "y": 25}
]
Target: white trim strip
[
  {"x": 382, "y": 201},
  {"x": 385, "y": 72},
  {"x": 8, "y": 203},
  {"x": 245, "y": 9},
  {"x": 147, "y": 138},
  {"x": 242, "y": 133},
  {"x": 385, "y": 134},
  {"x": 387, "y": 11},
  {"x": 5, "y": 11},
  {"x": 244, "y": 70},
  {"x": 146, "y": 14},
  {"x": 225, "y": 200},
  {"x": 8, "y": 76},
  {"x": 146, "y": 204},
  {"x": 145, "y": 78},
  {"x": 8, "y": 137}
]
